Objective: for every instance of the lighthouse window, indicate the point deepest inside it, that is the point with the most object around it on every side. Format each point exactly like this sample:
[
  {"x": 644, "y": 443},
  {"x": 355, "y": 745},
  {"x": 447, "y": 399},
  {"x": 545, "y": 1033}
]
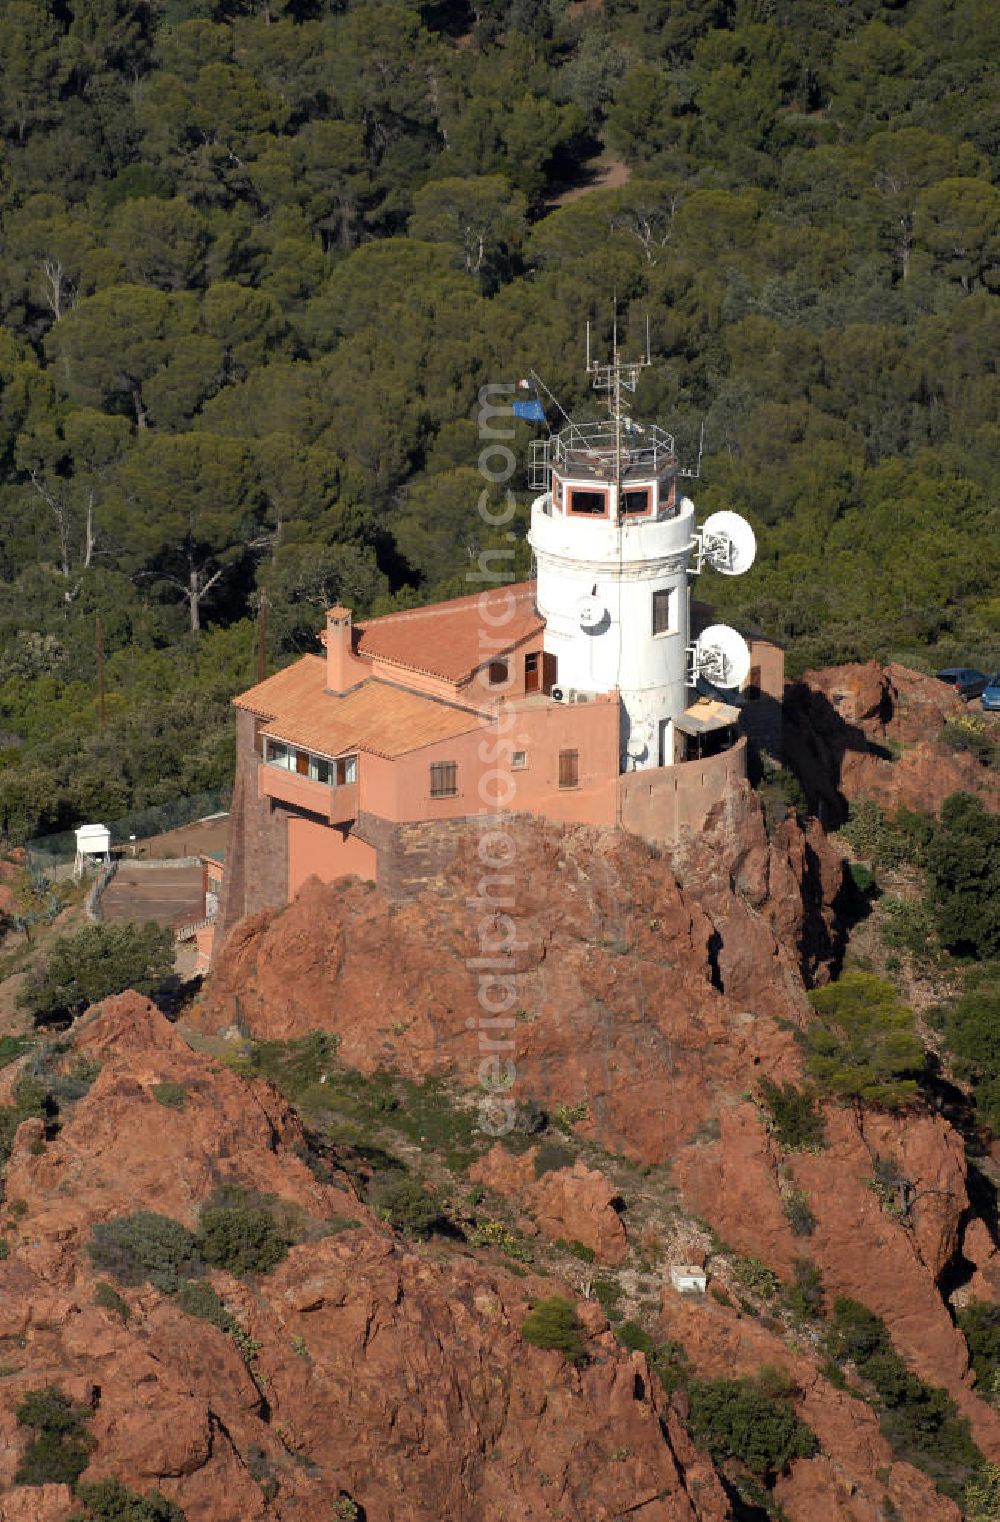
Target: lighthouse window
[
  {"x": 444, "y": 779},
  {"x": 589, "y": 503},
  {"x": 635, "y": 503},
  {"x": 663, "y": 611},
  {"x": 569, "y": 768}
]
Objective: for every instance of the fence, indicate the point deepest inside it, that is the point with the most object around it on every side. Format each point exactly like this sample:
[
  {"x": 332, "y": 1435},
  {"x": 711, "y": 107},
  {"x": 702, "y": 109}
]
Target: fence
[{"x": 47, "y": 853}]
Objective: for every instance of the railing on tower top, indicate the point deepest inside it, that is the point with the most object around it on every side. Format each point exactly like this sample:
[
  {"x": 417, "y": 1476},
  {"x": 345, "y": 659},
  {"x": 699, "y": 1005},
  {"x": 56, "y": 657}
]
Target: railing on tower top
[{"x": 589, "y": 449}]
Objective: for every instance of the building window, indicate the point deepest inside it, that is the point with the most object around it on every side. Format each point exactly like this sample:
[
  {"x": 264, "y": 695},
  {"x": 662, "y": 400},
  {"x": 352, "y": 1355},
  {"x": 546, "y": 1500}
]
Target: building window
[
  {"x": 593, "y": 504},
  {"x": 519, "y": 761},
  {"x": 498, "y": 673},
  {"x": 302, "y": 763},
  {"x": 277, "y": 754},
  {"x": 347, "y": 770},
  {"x": 663, "y": 611},
  {"x": 569, "y": 768},
  {"x": 320, "y": 769},
  {"x": 635, "y": 503},
  {"x": 444, "y": 779}
]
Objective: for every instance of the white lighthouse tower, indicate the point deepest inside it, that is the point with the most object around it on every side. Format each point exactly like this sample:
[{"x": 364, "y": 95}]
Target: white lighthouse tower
[{"x": 615, "y": 545}]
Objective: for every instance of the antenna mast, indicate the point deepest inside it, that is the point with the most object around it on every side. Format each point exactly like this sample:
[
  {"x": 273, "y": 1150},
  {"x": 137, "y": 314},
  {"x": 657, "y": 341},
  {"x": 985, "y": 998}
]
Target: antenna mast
[{"x": 613, "y": 379}]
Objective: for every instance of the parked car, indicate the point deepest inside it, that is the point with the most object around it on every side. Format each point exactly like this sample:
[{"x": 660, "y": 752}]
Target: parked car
[
  {"x": 963, "y": 680},
  {"x": 991, "y": 695}
]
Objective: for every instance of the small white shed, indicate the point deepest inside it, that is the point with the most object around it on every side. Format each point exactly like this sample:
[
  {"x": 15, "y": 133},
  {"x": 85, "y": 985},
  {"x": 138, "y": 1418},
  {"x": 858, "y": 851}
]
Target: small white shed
[
  {"x": 688, "y": 1278},
  {"x": 93, "y": 843}
]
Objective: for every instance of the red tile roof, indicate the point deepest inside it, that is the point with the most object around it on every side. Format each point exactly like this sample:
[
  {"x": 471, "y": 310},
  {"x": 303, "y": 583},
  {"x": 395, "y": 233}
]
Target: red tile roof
[
  {"x": 375, "y": 717},
  {"x": 453, "y": 639}
]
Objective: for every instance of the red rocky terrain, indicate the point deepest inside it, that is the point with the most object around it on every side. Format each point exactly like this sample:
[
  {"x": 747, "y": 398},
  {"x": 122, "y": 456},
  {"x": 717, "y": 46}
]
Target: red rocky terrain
[
  {"x": 385, "y": 1371},
  {"x": 652, "y": 997}
]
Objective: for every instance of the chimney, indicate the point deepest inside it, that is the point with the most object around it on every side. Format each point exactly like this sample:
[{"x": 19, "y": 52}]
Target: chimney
[{"x": 341, "y": 662}]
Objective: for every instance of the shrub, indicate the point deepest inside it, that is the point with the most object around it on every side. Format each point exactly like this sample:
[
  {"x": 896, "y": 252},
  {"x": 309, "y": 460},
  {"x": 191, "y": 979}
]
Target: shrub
[
  {"x": 920, "y": 1422},
  {"x": 173, "y": 1096},
  {"x": 963, "y": 868},
  {"x": 971, "y": 1031},
  {"x": 111, "y": 1501},
  {"x": 737, "y": 1418},
  {"x": 755, "y": 1276},
  {"x": 796, "y": 1118},
  {"x": 59, "y": 1451},
  {"x": 578, "y": 1249},
  {"x": 109, "y": 1299},
  {"x": 199, "y": 1299},
  {"x": 979, "y": 1322},
  {"x": 404, "y": 1203},
  {"x": 668, "y": 1360},
  {"x": 553, "y": 1325},
  {"x": 244, "y": 1238},
  {"x": 145, "y": 1246},
  {"x": 551, "y": 1156},
  {"x": 804, "y": 1296},
  {"x": 864, "y": 1045},
  {"x": 93, "y": 963},
  {"x": 799, "y": 1213}
]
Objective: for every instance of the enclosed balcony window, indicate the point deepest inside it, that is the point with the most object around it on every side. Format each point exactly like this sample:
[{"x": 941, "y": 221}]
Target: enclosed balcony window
[{"x": 306, "y": 764}]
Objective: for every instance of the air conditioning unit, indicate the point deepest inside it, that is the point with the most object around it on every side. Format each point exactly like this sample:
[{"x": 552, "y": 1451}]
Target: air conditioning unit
[
  {"x": 573, "y": 695},
  {"x": 556, "y": 695}
]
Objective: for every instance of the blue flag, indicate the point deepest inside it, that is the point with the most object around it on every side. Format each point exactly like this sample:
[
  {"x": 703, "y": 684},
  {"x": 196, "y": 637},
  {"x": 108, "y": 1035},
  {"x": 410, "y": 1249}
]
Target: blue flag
[{"x": 533, "y": 411}]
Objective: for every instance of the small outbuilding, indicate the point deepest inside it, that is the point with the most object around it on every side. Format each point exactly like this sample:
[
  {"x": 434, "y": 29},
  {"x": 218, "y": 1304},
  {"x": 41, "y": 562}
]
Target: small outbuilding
[
  {"x": 93, "y": 843},
  {"x": 688, "y": 1278}
]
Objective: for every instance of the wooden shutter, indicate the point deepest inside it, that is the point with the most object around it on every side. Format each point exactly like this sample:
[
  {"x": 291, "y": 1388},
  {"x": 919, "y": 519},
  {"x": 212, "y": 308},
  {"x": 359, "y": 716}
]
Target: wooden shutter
[{"x": 569, "y": 768}]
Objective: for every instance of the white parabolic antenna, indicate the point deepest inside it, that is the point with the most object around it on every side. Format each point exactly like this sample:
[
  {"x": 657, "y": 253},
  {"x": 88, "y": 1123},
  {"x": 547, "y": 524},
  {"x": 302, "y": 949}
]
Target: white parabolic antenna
[
  {"x": 728, "y": 543},
  {"x": 722, "y": 655},
  {"x": 591, "y": 612}
]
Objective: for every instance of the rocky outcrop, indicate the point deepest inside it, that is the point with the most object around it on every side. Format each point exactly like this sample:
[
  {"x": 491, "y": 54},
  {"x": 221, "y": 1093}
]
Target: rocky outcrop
[
  {"x": 615, "y": 971},
  {"x": 873, "y": 731},
  {"x": 575, "y": 1204},
  {"x": 854, "y": 1472},
  {"x": 366, "y": 1359}
]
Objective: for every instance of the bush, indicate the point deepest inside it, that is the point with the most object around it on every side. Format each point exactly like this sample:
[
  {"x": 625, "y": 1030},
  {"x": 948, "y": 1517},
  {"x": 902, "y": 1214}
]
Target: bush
[
  {"x": 551, "y": 1156},
  {"x": 864, "y": 1045},
  {"x": 173, "y": 1096},
  {"x": 971, "y": 1031},
  {"x": 799, "y": 1214},
  {"x": 145, "y": 1246},
  {"x": 979, "y": 1322},
  {"x": 111, "y": 1501},
  {"x": 804, "y": 1296},
  {"x": 963, "y": 868},
  {"x": 94, "y": 963},
  {"x": 404, "y": 1203},
  {"x": 243, "y": 1238},
  {"x": 796, "y": 1118},
  {"x": 668, "y": 1360},
  {"x": 109, "y": 1299},
  {"x": 553, "y": 1325},
  {"x": 199, "y": 1299},
  {"x": 738, "y": 1419},
  {"x": 755, "y": 1277},
  {"x": 920, "y": 1422},
  {"x": 59, "y": 1451}
]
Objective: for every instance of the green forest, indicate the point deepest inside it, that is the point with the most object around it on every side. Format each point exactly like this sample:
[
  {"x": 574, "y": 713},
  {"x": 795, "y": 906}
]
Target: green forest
[{"x": 259, "y": 257}]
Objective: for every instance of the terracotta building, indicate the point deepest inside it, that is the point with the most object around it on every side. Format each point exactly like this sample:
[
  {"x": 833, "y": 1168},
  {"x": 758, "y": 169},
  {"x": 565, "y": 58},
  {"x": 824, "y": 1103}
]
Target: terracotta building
[{"x": 582, "y": 696}]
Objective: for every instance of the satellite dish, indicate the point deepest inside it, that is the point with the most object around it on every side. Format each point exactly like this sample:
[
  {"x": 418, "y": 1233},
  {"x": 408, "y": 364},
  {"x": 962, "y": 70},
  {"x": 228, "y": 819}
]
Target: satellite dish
[
  {"x": 728, "y": 543},
  {"x": 721, "y": 654},
  {"x": 591, "y": 612}
]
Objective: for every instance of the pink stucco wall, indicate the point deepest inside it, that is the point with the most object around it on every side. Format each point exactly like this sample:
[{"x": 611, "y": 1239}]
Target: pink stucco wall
[
  {"x": 660, "y": 804},
  {"x": 323, "y": 851}
]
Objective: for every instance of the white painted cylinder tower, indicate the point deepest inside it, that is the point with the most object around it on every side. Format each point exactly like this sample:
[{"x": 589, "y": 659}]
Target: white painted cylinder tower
[{"x": 613, "y": 544}]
